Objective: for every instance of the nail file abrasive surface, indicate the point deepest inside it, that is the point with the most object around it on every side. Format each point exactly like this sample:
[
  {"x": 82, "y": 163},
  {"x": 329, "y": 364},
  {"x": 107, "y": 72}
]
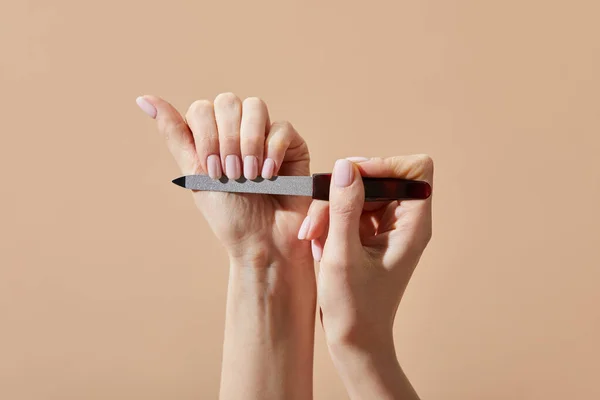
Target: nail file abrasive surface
[{"x": 316, "y": 186}]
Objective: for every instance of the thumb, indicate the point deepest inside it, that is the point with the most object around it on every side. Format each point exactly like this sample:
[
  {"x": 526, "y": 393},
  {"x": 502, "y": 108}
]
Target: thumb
[
  {"x": 174, "y": 130},
  {"x": 346, "y": 200}
]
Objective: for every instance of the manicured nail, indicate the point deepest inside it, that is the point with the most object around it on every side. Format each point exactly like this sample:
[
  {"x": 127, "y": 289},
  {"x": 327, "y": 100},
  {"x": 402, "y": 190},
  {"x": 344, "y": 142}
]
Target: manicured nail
[
  {"x": 213, "y": 162},
  {"x": 250, "y": 167},
  {"x": 317, "y": 251},
  {"x": 268, "y": 168},
  {"x": 304, "y": 228},
  {"x": 233, "y": 167},
  {"x": 146, "y": 106},
  {"x": 343, "y": 173},
  {"x": 399, "y": 211},
  {"x": 357, "y": 159}
]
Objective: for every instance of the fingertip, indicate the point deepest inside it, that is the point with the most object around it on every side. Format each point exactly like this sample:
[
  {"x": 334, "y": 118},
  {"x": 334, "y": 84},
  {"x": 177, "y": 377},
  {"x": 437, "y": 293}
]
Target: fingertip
[
  {"x": 319, "y": 219},
  {"x": 250, "y": 167},
  {"x": 304, "y": 228},
  {"x": 158, "y": 108},
  {"x": 343, "y": 173},
  {"x": 268, "y": 169},
  {"x": 146, "y": 106},
  {"x": 317, "y": 250},
  {"x": 213, "y": 163}
]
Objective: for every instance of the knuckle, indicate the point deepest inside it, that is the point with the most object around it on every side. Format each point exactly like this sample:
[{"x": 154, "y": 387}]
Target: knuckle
[
  {"x": 251, "y": 144},
  {"x": 253, "y": 103},
  {"x": 199, "y": 107},
  {"x": 227, "y": 101},
  {"x": 343, "y": 209},
  {"x": 424, "y": 164},
  {"x": 205, "y": 142},
  {"x": 254, "y": 123},
  {"x": 230, "y": 141},
  {"x": 277, "y": 144},
  {"x": 282, "y": 126},
  {"x": 174, "y": 128}
]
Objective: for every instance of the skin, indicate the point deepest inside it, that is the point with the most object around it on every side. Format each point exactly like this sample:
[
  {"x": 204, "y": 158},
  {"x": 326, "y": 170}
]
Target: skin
[
  {"x": 268, "y": 350},
  {"x": 367, "y": 253}
]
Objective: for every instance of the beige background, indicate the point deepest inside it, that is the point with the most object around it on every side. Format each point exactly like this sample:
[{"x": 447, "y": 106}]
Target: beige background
[{"x": 111, "y": 284}]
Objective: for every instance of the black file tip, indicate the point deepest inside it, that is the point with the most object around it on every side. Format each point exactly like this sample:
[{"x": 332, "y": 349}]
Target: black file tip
[{"x": 179, "y": 181}]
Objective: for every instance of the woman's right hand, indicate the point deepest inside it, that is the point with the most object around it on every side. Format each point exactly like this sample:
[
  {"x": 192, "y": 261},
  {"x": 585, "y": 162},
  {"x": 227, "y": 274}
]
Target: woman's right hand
[{"x": 367, "y": 254}]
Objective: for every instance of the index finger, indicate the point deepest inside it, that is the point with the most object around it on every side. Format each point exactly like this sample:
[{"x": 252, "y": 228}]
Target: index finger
[{"x": 414, "y": 167}]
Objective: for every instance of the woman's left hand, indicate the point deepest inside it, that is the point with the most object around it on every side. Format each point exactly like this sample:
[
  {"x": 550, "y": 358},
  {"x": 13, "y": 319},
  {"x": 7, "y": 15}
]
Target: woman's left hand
[
  {"x": 271, "y": 297},
  {"x": 234, "y": 138}
]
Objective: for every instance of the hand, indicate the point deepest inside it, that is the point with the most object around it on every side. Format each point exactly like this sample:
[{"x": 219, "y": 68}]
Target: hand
[
  {"x": 236, "y": 138},
  {"x": 367, "y": 254},
  {"x": 271, "y": 297}
]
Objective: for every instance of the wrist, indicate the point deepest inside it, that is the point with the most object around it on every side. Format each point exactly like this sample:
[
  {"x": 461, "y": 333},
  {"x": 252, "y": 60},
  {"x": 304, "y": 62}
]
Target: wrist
[
  {"x": 260, "y": 255},
  {"x": 346, "y": 335},
  {"x": 267, "y": 270},
  {"x": 277, "y": 291},
  {"x": 269, "y": 329},
  {"x": 373, "y": 351},
  {"x": 371, "y": 373}
]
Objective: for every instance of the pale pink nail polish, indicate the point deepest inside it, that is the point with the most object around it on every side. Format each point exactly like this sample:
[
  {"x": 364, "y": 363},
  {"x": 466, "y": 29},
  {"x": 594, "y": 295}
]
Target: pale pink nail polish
[
  {"x": 250, "y": 167},
  {"x": 268, "y": 168},
  {"x": 343, "y": 173},
  {"x": 213, "y": 163},
  {"x": 146, "y": 106},
  {"x": 317, "y": 251},
  {"x": 304, "y": 228},
  {"x": 233, "y": 167}
]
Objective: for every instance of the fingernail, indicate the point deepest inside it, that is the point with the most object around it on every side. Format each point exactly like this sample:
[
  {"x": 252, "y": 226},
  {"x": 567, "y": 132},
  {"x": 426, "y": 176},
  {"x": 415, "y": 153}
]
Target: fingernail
[
  {"x": 317, "y": 251},
  {"x": 304, "y": 228},
  {"x": 233, "y": 169},
  {"x": 268, "y": 168},
  {"x": 214, "y": 166},
  {"x": 250, "y": 167},
  {"x": 357, "y": 159},
  {"x": 146, "y": 106},
  {"x": 399, "y": 211},
  {"x": 343, "y": 173}
]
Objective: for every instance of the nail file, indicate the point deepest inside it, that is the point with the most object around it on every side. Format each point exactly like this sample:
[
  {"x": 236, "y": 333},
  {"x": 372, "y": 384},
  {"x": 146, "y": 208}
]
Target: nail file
[{"x": 315, "y": 186}]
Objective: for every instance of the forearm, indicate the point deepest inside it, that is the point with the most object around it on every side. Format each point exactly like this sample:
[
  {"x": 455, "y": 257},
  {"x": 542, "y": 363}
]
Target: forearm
[
  {"x": 269, "y": 332},
  {"x": 372, "y": 373}
]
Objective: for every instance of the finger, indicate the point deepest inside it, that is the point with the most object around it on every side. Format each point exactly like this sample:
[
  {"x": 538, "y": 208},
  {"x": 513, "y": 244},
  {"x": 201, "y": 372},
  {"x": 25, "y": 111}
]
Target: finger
[
  {"x": 316, "y": 246},
  {"x": 201, "y": 120},
  {"x": 385, "y": 217},
  {"x": 286, "y": 152},
  {"x": 317, "y": 221},
  {"x": 228, "y": 114},
  {"x": 317, "y": 243},
  {"x": 252, "y": 135},
  {"x": 346, "y": 200},
  {"x": 418, "y": 166},
  {"x": 176, "y": 132},
  {"x": 411, "y": 219}
]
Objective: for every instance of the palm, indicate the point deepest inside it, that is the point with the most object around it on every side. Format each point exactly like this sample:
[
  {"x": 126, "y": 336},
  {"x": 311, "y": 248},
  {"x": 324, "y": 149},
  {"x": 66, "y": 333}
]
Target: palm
[{"x": 391, "y": 229}]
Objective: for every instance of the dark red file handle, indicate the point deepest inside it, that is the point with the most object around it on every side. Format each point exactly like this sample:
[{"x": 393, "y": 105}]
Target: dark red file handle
[{"x": 377, "y": 189}]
